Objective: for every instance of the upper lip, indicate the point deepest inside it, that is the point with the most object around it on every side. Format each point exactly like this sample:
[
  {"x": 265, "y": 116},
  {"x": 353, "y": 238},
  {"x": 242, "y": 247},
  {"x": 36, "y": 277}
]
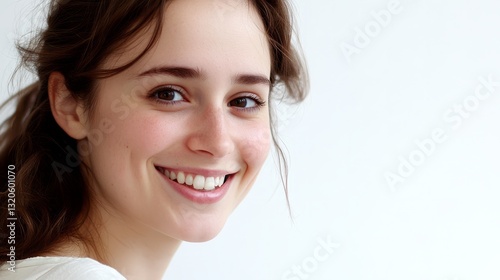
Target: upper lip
[{"x": 198, "y": 171}]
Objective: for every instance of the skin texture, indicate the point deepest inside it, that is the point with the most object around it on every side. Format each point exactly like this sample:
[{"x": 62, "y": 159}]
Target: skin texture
[{"x": 139, "y": 218}]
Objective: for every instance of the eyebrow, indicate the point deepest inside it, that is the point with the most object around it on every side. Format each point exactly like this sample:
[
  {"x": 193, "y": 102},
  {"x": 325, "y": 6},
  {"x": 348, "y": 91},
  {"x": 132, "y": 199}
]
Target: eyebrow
[
  {"x": 181, "y": 72},
  {"x": 195, "y": 73},
  {"x": 248, "y": 79}
]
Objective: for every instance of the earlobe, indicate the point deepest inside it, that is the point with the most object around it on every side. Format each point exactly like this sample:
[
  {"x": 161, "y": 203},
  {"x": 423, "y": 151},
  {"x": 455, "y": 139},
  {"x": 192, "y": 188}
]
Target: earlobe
[{"x": 67, "y": 111}]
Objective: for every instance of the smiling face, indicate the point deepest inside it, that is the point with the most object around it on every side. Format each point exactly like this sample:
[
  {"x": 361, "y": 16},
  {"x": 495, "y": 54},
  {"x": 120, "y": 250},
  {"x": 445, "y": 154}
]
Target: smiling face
[{"x": 177, "y": 140}]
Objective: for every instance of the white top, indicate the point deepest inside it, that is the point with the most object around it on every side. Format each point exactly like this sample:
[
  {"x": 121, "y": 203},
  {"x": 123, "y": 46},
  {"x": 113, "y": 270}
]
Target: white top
[{"x": 55, "y": 268}]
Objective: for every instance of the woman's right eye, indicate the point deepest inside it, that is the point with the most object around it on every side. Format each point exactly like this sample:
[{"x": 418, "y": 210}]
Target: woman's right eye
[{"x": 168, "y": 95}]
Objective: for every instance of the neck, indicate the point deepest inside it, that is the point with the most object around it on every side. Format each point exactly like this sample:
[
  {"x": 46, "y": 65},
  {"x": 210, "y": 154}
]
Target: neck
[{"x": 136, "y": 251}]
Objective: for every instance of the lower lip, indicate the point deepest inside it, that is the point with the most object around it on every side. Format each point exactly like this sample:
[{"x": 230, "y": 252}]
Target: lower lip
[{"x": 200, "y": 196}]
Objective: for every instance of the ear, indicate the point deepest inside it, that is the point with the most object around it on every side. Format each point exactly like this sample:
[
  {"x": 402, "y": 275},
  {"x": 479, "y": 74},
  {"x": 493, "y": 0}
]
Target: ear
[{"x": 67, "y": 111}]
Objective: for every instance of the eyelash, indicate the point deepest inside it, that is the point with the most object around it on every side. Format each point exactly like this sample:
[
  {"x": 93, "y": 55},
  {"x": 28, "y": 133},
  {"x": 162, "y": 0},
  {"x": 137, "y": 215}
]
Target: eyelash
[{"x": 259, "y": 103}]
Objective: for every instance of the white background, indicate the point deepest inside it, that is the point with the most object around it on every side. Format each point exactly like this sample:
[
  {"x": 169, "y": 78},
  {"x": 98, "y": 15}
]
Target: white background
[{"x": 363, "y": 118}]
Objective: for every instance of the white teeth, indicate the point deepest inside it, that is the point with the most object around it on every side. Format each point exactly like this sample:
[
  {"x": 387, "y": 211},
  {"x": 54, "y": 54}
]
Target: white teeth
[
  {"x": 199, "y": 182},
  {"x": 181, "y": 178},
  {"x": 189, "y": 180},
  {"x": 209, "y": 183}
]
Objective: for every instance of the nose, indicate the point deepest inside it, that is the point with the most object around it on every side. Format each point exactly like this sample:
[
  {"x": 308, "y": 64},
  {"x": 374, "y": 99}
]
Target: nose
[{"x": 211, "y": 134}]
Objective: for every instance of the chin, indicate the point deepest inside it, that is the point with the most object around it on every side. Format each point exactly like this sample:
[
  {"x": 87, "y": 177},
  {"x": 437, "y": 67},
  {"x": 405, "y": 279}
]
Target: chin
[
  {"x": 201, "y": 234},
  {"x": 198, "y": 228}
]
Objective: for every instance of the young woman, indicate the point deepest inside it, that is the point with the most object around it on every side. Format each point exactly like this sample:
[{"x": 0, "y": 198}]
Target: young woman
[{"x": 148, "y": 125}]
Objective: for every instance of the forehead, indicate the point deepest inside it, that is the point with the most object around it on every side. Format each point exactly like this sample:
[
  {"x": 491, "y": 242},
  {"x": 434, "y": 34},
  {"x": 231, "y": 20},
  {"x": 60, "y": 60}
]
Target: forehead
[{"x": 202, "y": 33}]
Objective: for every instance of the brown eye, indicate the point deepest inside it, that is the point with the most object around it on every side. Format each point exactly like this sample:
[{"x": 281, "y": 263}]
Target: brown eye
[
  {"x": 168, "y": 94},
  {"x": 241, "y": 102},
  {"x": 245, "y": 102}
]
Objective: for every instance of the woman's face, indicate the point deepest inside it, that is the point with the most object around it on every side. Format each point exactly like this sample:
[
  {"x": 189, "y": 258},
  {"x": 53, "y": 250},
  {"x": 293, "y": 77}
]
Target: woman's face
[{"x": 176, "y": 141}]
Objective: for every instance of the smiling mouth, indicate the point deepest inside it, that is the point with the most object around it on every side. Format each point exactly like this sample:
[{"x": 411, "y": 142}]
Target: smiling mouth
[{"x": 195, "y": 181}]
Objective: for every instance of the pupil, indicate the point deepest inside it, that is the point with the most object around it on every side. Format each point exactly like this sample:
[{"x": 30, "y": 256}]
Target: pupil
[
  {"x": 240, "y": 102},
  {"x": 166, "y": 95}
]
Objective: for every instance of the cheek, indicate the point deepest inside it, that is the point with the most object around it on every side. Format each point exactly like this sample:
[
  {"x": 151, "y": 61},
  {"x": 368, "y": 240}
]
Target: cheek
[
  {"x": 122, "y": 161},
  {"x": 120, "y": 154},
  {"x": 255, "y": 145},
  {"x": 143, "y": 133}
]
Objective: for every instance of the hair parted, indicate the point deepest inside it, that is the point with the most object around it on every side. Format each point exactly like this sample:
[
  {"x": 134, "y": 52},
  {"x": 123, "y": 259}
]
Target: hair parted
[{"x": 78, "y": 37}]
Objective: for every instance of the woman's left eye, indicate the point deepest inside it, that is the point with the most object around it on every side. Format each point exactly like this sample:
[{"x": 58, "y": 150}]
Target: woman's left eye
[{"x": 246, "y": 102}]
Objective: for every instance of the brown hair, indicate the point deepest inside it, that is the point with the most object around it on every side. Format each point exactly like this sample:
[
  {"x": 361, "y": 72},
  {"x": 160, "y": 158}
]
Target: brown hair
[{"x": 51, "y": 206}]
